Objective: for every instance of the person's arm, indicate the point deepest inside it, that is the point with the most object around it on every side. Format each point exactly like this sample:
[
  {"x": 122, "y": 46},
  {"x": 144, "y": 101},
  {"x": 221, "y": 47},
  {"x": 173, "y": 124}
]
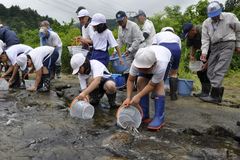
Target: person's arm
[
  {"x": 93, "y": 85},
  {"x": 119, "y": 54},
  {"x": 15, "y": 70},
  {"x": 205, "y": 42},
  {"x": 10, "y": 69},
  {"x": 130, "y": 85},
  {"x": 137, "y": 39},
  {"x": 192, "y": 53}
]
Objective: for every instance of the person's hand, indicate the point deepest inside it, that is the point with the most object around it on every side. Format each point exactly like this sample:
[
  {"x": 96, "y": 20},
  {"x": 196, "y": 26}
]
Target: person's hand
[
  {"x": 3, "y": 75},
  {"x": 135, "y": 100},
  {"x": 82, "y": 97},
  {"x": 10, "y": 81},
  {"x": 126, "y": 102},
  {"x": 127, "y": 53},
  {"x": 32, "y": 89},
  {"x": 203, "y": 57}
]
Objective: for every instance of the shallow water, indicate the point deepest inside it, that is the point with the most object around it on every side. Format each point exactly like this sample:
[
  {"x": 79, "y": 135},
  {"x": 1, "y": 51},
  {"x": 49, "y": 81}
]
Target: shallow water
[{"x": 39, "y": 126}]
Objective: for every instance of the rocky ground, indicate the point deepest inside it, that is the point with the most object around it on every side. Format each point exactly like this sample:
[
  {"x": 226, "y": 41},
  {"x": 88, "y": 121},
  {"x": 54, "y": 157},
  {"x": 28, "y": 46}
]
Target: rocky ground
[{"x": 38, "y": 126}]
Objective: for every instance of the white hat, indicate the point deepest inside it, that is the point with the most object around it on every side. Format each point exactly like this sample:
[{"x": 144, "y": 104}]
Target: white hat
[
  {"x": 144, "y": 58},
  {"x": 22, "y": 61},
  {"x": 97, "y": 19},
  {"x": 76, "y": 62},
  {"x": 164, "y": 29},
  {"x": 83, "y": 13}
]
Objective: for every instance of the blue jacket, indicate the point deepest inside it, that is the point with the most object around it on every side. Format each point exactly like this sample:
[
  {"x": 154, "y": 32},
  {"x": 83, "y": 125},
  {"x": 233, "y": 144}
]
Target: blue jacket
[{"x": 8, "y": 36}]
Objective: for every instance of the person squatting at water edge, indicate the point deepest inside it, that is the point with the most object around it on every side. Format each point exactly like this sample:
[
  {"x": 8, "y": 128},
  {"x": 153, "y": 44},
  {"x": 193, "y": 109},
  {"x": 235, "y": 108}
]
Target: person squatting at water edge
[
  {"x": 171, "y": 41},
  {"x": 151, "y": 65},
  {"x": 41, "y": 59},
  {"x": 9, "y": 56},
  {"x": 95, "y": 80}
]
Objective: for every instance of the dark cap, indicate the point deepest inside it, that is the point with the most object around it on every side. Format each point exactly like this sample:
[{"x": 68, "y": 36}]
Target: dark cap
[
  {"x": 186, "y": 28},
  {"x": 140, "y": 13},
  {"x": 120, "y": 15}
]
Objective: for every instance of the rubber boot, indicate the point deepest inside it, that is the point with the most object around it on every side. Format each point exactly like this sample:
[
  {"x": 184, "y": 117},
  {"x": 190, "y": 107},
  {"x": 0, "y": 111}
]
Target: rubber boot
[
  {"x": 144, "y": 103},
  {"x": 206, "y": 87},
  {"x": 45, "y": 83},
  {"x": 95, "y": 97},
  {"x": 173, "y": 83},
  {"x": 112, "y": 100},
  {"x": 158, "y": 119},
  {"x": 215, "y": 96},
  {"x": 58, "y": 72}
]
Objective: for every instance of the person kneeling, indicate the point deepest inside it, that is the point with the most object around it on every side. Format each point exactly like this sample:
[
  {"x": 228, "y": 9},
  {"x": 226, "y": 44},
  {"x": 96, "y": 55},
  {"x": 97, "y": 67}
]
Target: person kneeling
[{"x": 95, "y": 80}]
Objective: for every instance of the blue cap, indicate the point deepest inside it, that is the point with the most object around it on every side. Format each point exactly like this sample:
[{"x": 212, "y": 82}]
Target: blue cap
[
  {"x": 214, "y": 9},
  {"x": 120, "y": 15},
  {"x": 186, "y": 28}
]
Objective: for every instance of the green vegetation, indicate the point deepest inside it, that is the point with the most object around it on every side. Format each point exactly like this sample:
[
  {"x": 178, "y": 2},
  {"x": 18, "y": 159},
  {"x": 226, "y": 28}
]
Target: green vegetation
[{"x": 25, "y": 23}]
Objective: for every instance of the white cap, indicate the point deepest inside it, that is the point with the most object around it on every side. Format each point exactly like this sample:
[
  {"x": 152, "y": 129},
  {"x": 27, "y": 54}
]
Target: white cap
[
  {"x": 22, "y": 61},
  {"x": 97, "y": 19},
  {"x": 144, "y": 58},
  {"x": 1, "y": 46},
  {"x": 77, "y": 61},
  {"x": 83, "y": 13},
  {"x": 164, "y": 29}
]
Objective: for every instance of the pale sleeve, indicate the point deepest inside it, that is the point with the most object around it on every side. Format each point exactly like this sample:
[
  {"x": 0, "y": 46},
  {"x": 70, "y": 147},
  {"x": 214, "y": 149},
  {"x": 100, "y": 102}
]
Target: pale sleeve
[{"x": 205, "y": 38}]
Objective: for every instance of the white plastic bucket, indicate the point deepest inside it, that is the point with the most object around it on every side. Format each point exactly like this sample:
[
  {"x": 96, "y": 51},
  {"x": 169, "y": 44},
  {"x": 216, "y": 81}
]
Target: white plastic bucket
[
  {"x": 29, "y": 83},
  {"x": 77, "y": 49},
  {"x": 129, "y": 117},
  {"x": 81, "y": 109},
  {"x": 195, "y": 66},
  {"x": 4, "y": 86}
]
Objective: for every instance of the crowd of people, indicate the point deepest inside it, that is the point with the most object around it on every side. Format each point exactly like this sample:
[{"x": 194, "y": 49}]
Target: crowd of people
[{"x": 151, "y": 57}]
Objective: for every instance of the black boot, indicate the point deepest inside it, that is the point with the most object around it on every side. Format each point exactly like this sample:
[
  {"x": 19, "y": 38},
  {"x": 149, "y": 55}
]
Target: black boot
[
  {"x": 215, "y": 96},
  {"x": 95, "y": 97},
  {"x": 173, "y": 83},
  {"x": 58, "y": 71},
  {"x": 45, "y": 83},
  {"x": 112, "y": 100},
  {"x": 206, "y": 87}
]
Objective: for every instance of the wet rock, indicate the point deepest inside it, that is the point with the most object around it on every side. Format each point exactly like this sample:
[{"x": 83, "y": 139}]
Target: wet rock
[
  {"x": 238, "y": 123},
  {"x": 192, "y": 131},
  {"x": 110, "y": 158},
  {"x": 219, "y": 131},
  {"x": 60, "y": 93},
  {"x": 118, "y": 141},
  {"x": 237, "y": 137},
  {"x": 62, "y": 87},
  {"x": 209, "y": 153}
]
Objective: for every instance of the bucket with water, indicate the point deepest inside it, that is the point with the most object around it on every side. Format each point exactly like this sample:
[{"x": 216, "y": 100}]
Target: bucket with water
[
  {"x": 185, "y": 87},
  {"x": 117, "y": 66},
  {"x": 129, "y": 116},
  {"x": 81, "y": 109},
  {"x": 29, "y": 83}
]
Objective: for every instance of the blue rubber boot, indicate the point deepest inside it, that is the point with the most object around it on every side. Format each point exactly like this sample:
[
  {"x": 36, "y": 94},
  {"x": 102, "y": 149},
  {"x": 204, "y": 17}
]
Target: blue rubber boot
[
  {"x": 144, "y": 103},
  {"x": 158, "y": 119}
]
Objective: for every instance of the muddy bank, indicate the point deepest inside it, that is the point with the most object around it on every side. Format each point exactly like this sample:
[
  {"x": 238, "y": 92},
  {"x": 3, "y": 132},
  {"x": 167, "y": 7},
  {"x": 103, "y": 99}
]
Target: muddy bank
[{"x": 38, "y": 126}]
